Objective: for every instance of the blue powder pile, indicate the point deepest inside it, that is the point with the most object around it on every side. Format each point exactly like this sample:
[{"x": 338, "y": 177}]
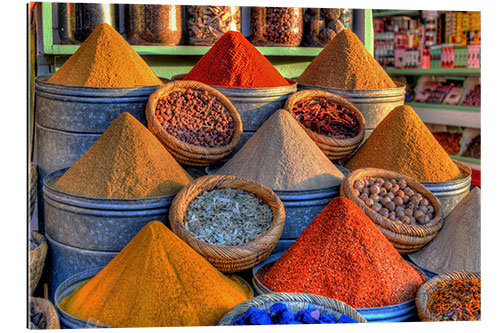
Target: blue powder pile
[{"x": 279, "y": 314}]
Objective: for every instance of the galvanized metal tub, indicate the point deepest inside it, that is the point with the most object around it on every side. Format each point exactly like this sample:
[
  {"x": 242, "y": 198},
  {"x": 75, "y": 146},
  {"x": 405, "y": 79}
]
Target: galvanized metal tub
[
  {"x": 98, "y": 223},
  {"x": 69, "y": 119},
  {"x": 451, "y": 192},
  {"x": 254, "y": 105},
  {"x": 63, "y": 261},
  {"x": 67, "y": 287},
  {"x": 75, "y": 117},
  {"x": 374, "y": 104},
  {"x": 301, "y": 207},
  {"x": 406, "y": 311},
  {"x": 72, "y": 282}
]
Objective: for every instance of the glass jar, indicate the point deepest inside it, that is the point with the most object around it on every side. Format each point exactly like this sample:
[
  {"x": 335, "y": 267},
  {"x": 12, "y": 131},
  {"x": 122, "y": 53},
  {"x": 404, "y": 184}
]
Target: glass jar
[
  {"x": 278, "y": 26},
  {"x": 154, "y": 24},
  {"x": 322, "y": 24},
  {"x": 206, "y": 24},
  {"x": 85, "y": 17}
]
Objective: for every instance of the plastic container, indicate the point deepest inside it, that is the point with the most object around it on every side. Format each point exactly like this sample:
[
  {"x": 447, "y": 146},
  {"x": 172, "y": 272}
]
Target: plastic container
[
  {"x": 206, "y": 24},
  {"x": 154, "y": 24},
  {"x": 276, "y": 26},
  {"x": 393, "y": 313},
  {"x": 322, "y": 24}
]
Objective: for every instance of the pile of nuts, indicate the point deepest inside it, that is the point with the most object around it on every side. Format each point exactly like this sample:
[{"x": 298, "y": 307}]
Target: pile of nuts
[
  {"x": 395, "y": 200},
  {"x": 195, "y": 117}
]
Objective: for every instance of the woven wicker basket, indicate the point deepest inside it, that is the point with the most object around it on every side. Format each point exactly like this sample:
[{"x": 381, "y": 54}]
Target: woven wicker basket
[
  {"x": 405, "y": 238},
  {"x": 334, "y": 148},
  {"x": 424, "y": 290},
  {"x": 36, "y": 261},
  {"x": 229, "y": 259},
  {"x": 295, "y": 303},
  {"x": 33, "y": 179},
  {"x": 46, "y": 306},
  {"x": 183, "y": 152}
]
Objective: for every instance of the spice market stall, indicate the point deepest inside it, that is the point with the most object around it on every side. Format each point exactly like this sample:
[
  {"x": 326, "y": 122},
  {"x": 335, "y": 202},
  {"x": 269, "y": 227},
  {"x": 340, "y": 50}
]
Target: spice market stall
[{"x": 218, "y": 165}]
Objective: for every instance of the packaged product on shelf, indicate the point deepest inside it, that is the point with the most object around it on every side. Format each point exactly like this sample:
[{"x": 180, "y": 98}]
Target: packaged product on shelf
[
  {"x": 206, "y": 24},
  {"x": 291, "y": 159},
  {"x": 451, "y": 142},
  {"x": 154, "y": 24},
  {"x": 343, "y": 242},
  {"x": 105, "y": 59},
  {"x": 322, "y": 24},
  {"x": 454, "y": 95},
  {"x": 402, "y": 143},
  {"x": 280, "y": 26},
  {"x": 127, "y": 161},
  {"x": 473, "y": 97},
  {"x": 157, "y": 280},
  {"x": 474, "y": 148}
]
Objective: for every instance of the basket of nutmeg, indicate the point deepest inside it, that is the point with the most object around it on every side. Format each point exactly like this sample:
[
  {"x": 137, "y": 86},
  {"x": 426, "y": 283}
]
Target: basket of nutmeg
[{"x": 406, "y": 212}]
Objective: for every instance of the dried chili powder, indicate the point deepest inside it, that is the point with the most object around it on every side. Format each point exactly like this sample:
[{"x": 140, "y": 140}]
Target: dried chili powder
[{"x": 343, "y": 255}]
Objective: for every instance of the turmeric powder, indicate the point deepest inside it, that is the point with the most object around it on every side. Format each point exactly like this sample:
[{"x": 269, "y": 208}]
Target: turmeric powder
[
  {"x": 126, "y": 162},
  {"x": 402, "y": 143},
  {"x": 156, "y": 280},
  {"x": 105, "y": 59}
]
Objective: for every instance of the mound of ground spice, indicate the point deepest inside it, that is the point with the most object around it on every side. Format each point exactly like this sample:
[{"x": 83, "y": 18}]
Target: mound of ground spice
[
  {"x": 234, "y": 62},
  {"x": 457, "y": 246},
  {"x": 402, "y": 143},
  {"x": 156, "y": 280},
  {"x": 345, "y": 63},
  {"x": 281, "y": 156},
  {"x": 127, "y": 161},
  {"x": 105, "y": 59},
  {"x": 343, "y": 255}
]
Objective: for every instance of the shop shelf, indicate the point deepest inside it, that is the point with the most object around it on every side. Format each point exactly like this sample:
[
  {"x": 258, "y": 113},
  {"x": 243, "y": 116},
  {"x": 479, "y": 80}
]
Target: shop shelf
[
  {"x": 387, "y": 13},
  {"x": 433, "y": 71},
  {"x": 454, "y": 115}
]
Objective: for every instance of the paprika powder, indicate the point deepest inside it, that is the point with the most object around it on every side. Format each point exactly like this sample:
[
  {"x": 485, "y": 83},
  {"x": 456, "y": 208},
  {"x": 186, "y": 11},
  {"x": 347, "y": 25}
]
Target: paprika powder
[
  {"x": 234, "y": 62},
  {"x": 343, "y": 255}
]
